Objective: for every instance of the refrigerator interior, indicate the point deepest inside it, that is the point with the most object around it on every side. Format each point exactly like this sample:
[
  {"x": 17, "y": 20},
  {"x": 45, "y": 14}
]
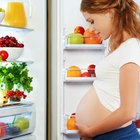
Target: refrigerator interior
[
  {"x": 69, "y": 92},
  {"x": 35, "y": 51}
]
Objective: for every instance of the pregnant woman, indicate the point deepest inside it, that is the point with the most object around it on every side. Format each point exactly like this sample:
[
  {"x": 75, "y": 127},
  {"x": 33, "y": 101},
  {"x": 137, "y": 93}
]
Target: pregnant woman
[{"x": 108, "y": 109}]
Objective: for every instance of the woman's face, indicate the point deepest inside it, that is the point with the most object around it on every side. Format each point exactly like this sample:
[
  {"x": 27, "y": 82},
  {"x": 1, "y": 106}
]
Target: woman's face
[{"x": 100, "y": 23}]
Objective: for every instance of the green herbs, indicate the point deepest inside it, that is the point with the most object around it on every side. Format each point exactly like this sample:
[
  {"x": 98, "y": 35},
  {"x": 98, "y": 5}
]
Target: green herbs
[{"x": 15, "y": 76}]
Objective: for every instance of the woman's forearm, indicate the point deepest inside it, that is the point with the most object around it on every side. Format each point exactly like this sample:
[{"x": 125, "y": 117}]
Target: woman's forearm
[{"x": 115, "y": 120}]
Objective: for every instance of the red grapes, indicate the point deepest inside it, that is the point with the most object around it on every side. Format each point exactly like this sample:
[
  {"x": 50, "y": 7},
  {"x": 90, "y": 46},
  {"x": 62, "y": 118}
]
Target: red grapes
[{"x": 10, "y": 41}]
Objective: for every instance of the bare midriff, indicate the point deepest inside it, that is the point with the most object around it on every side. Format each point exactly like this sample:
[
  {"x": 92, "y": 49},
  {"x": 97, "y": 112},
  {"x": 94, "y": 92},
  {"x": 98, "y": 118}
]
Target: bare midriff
[{"x": 90, "y": 111}]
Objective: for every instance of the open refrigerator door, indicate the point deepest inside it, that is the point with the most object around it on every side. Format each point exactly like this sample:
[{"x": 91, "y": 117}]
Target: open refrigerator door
[{"x": 77, "y": 57}]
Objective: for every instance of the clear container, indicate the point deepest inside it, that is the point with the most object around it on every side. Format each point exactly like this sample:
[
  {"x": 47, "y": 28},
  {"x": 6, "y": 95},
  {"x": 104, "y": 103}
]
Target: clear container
[{"x": 16, "y": 120}]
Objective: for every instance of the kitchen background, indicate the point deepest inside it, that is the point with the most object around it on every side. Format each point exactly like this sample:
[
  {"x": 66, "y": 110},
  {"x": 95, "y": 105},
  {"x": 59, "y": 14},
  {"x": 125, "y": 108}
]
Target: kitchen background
[{"x": 35, "y": 50}]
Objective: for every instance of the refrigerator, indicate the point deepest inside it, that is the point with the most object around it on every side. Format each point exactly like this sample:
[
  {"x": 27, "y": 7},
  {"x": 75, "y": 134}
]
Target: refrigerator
[
  {"x": 34, "y": 38},
  {"x": 66, "y": 92}
]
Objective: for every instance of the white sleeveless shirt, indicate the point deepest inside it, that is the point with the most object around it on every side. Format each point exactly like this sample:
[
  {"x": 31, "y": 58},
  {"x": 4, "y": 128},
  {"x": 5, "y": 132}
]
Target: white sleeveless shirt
[{"x": 107, "y": 72}]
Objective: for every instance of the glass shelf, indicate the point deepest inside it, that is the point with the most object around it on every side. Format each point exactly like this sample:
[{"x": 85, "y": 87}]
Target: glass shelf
[
  {"x": 17, "y": 28},
  {"x": 84, "y": 46},
  {"x": 27, "y": 62},
  {"x": 79, "y": 79}
]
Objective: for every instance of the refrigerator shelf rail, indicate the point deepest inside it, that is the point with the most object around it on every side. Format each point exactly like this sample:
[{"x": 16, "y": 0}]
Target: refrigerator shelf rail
[
  {"x": 17, "y": 28},
  {"x": 84, "y": 47},
  {"x": 79, "y": 79}
]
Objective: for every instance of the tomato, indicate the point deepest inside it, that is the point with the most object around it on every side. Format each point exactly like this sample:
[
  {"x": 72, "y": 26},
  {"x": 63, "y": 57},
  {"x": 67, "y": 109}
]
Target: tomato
[
  {"x": 91, "y": 70},
  {"x": 4, "y": 55},
  {"x": 85, "y": 74}
]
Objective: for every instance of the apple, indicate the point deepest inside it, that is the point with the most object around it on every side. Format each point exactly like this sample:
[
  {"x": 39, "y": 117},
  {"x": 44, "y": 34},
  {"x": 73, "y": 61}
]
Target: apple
[
  {"x": 2, "y": 10},
  {"x": 79, "y": 29},
  {"x": 85, "y": 74},
  {"x": 91, "y": 69},
  {"x": 75, "y": 38},
  {"x": 137, "y": 123},
  {"x": 22, "y": 123},
  {"x": 2, "y": 129}
]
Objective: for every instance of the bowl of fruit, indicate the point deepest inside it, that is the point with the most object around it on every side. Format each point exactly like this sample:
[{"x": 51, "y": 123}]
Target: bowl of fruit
[
  {"x": 10, "y": 48},
  {"x": 2, "y": 14}
]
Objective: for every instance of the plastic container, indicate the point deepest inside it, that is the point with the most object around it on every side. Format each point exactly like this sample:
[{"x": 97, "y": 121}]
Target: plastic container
[{"x": 16, "y": 120}]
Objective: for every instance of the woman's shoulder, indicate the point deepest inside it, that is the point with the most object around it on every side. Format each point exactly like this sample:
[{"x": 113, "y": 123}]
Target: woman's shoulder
[
  {"x": 131, "y": 43},
  {"x": 129, "y": 51}
]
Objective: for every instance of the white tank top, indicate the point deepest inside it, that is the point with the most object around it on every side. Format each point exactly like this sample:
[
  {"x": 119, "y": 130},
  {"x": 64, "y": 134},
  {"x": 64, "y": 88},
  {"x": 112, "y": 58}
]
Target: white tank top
[{"x": 107, "y": 72}]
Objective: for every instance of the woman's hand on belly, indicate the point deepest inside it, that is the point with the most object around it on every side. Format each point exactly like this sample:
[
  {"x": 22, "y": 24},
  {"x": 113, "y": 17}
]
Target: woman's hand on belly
[{"x": 84, "y": 131}]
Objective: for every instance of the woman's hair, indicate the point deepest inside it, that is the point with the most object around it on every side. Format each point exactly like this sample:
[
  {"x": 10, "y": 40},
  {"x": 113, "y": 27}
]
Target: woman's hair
[{"x": 126, "y": 17}]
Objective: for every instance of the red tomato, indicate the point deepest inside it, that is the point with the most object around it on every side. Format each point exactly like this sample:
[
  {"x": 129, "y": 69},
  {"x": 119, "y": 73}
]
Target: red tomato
[
  {"x": 85, "y": 74},
  {"x": 4, "y": 55}
]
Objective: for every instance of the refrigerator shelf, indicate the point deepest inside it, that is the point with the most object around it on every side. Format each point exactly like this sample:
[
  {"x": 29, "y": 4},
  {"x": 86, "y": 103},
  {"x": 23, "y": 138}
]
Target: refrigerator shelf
[
  {"x": 17, "y": 28},
  {"x": 79, "y": 79},
  {"x": 18, "y": 61},
  {"x": 70, "y": 132},
  {"x": 84, "y": 46}
]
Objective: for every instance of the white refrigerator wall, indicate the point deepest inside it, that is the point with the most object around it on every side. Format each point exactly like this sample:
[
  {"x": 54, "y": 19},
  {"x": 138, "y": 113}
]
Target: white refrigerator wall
[
  {"x": 34, "y": 50},
  {"x": 66, "y": 16}
]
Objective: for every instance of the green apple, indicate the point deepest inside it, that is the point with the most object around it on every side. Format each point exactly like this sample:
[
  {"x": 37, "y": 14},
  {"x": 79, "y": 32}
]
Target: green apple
[
  {"x": 22, "y": 123},
  {"x": 2, "y": 10},
  {"x": 75, "y": 38}
]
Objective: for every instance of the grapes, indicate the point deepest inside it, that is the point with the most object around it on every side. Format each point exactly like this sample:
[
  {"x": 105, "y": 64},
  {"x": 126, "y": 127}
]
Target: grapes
[
  {"x": 12, "y": 130},
  {"x": 10, "y": 41}
]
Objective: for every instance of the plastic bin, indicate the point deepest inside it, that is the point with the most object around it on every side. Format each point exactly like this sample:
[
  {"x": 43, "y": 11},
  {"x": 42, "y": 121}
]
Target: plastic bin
[{"x": 16, "y": 120}]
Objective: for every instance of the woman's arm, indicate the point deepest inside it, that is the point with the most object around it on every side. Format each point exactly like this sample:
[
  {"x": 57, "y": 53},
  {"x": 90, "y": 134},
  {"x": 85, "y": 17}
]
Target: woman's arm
[{"x": 129, "y": 81}]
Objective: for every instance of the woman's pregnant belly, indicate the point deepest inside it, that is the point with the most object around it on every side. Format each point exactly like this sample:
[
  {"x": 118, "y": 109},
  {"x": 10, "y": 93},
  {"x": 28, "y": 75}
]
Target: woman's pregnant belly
[{"x": 90, "y": 110}]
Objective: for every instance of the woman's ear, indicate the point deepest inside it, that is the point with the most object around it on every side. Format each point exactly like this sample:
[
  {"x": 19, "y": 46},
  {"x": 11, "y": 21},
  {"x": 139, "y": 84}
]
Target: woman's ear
[{"x": 111, "y": 13}]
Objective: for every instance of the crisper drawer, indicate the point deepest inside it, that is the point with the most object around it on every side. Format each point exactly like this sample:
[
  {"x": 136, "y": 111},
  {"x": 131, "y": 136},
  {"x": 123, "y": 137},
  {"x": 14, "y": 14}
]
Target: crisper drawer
[{"x": 16, "y": 120}]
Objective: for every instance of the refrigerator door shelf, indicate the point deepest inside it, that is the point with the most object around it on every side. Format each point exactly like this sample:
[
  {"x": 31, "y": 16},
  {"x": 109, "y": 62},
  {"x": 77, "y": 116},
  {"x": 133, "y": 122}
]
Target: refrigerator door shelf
[
  {"x": 79, "y": 79},
  {"x": 16, "y": 120},
  {"x": 84, "y": 46}
]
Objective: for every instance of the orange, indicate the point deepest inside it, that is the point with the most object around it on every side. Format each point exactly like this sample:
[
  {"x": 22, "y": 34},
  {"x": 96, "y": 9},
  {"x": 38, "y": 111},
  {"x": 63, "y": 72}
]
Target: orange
[
  {"x": 73, "y": 71},
  {"x": 91, "y": 38},
  {"x": 71, "y": 124}
]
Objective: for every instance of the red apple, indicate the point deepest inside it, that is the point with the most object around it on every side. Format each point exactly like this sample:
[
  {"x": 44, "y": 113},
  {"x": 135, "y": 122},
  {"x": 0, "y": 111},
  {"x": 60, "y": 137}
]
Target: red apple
[
  {"x": 85, "y": 74},
  {"x": 79, "y": 29},
  {"x": 91, "y": 69},
  {"x": 137, "y": 123}
]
